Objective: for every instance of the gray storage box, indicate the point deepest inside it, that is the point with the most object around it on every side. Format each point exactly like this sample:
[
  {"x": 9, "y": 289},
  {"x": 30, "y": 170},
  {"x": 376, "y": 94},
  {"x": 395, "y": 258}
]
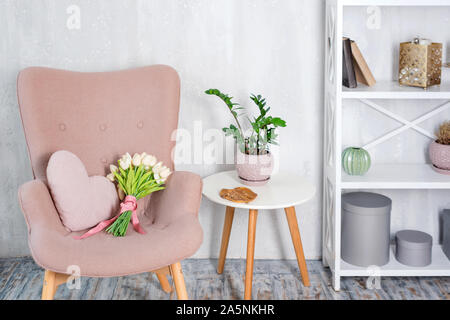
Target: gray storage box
[
  {"x": 413, "y": 248},
  {"x": 446, "y": 233},
  {"x": 366, "y": 223}
]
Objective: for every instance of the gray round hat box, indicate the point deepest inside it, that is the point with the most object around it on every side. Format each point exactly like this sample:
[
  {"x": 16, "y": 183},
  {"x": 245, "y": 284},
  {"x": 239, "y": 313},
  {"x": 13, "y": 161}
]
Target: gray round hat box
[
  {"x": 366, "y": 224},
  {"x": 413, "y": 248}
]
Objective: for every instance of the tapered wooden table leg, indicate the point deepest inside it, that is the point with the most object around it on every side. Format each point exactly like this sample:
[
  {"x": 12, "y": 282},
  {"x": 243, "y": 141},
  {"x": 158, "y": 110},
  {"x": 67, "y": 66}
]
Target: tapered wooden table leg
[
  {"x": 297, "y": 241},
  {"x": 253, "y": 215},
  {"x": 229, "y": 215}
]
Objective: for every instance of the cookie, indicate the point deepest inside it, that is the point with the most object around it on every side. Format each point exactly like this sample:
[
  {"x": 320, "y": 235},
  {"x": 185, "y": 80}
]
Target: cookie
[{"x": 238, "y": 195}]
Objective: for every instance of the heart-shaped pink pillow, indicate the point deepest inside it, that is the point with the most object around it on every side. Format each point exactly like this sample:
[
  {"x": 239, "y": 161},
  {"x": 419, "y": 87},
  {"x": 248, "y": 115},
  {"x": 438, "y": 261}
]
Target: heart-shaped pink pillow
[{"x": 82, "y": 201}]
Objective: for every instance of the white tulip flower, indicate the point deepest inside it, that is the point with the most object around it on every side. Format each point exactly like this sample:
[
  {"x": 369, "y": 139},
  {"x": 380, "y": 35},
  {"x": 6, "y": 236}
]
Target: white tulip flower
[
  {"x": 158, "y": 179},
  {"x": 136, "y": 160},
  {"x": 111, "y": 177},
  {"x": 113, "y": 168},
  {"x": 157, "y": 167},
  {"x": 125, "y": 163},
  {"x": 165, "y": 173},
  {"x": 143, "y": 154},
  {"x": 149, "y": 160}
]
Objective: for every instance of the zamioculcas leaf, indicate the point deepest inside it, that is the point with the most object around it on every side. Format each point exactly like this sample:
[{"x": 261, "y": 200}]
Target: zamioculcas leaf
[{"x": 262, "y": 125}]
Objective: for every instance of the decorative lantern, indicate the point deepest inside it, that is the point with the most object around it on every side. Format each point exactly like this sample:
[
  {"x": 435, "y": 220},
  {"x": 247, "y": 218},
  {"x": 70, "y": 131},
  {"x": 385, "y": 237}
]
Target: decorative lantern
[{"x": 420, "y": 63}]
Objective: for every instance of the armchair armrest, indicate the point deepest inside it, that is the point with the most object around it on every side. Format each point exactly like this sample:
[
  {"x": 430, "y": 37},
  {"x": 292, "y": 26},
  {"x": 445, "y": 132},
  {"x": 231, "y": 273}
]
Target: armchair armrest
[
  {"x": 38, "y": 207},
  {"x": 182, "y": 195}
]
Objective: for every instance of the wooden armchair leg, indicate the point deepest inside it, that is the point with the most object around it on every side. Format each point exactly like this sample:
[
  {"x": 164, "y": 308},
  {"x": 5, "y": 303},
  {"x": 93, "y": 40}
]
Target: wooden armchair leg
[
  {"x": 162, "y": 274},
  {"x": 51, "y": 282},
  {"x": 165, "y": 285},
  {"x": 49, "y": 286},
  {"x": 178, "y": 279}
]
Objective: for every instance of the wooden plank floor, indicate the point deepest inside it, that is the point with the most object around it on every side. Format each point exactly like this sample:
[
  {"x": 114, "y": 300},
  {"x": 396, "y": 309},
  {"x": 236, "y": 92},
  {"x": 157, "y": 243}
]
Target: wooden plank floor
[{"x": 21, "y": 278}]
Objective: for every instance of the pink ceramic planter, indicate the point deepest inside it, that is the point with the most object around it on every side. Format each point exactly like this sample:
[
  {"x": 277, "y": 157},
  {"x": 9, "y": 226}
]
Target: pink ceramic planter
[
  {"x": 254, "y": 170},
  {"x": 440, "y": 155}
]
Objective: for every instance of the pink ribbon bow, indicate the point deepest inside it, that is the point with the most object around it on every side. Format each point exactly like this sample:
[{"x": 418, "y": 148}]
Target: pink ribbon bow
[{"x": 128, "y": 204}]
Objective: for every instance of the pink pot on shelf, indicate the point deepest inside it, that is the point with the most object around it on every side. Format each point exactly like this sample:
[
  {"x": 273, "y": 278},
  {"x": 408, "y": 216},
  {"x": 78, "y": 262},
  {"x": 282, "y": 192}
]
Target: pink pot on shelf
[
  {"x": 440, "y": 155},
  {"x": 254, "y": 170}
]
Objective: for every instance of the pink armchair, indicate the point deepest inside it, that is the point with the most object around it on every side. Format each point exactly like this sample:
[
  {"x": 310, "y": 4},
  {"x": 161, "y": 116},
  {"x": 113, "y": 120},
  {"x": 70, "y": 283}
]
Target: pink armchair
[{"x": 99, "y": 116}]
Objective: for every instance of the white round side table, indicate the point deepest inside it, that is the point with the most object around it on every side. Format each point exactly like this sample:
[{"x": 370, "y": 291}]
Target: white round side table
[{"x": 283, "y": 191}]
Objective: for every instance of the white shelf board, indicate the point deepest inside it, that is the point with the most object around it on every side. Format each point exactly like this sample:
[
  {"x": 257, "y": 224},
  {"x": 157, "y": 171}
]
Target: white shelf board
[
  {"x": 392, "y": 90},
  {"x": 439, "y": 267},
  {"x": 396, "y": 3},
  {"x": 397, "y": 176}
]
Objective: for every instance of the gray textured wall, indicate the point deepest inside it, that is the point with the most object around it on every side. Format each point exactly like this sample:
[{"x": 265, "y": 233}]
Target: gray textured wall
[
  {"x": 274, "y": 47},
  {"x": 260, "y": 46}
]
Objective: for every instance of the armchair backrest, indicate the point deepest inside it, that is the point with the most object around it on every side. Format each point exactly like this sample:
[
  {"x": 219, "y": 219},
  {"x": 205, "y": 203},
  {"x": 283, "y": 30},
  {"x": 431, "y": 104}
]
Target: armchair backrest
[{"x": 98, "y": 116}]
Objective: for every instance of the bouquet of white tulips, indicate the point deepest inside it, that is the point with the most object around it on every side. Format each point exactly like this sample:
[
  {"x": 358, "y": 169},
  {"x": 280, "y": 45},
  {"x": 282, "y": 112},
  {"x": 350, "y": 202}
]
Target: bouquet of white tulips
[{"x": 136, "y": 178}]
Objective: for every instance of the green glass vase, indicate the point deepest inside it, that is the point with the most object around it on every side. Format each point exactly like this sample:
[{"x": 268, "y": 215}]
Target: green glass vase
[{"x": 356, "y": 161}]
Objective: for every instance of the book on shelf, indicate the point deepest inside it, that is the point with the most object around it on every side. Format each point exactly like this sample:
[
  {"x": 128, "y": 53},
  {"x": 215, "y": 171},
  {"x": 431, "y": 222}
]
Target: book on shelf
[
  {"x": 362, "y": 70},
  {"x": 348, "y": 70},
  {"x": 354, "y": 67}
]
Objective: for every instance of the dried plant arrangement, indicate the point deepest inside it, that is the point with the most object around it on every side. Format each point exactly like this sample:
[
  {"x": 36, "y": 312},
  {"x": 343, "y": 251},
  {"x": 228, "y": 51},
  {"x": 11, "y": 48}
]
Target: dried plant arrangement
[{"x": 443, "y": 135}]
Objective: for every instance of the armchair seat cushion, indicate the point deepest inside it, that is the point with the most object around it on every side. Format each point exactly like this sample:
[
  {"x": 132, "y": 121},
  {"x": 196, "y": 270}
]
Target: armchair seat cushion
[{"x": 104, "y": 255}]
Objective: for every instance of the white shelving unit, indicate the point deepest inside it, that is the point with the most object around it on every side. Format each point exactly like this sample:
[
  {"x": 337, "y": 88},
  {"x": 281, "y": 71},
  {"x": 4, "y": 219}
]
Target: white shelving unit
[
  {"x": 391, "y": 90},
  {"x": 439, "y": 267},
  {"x": 397, "y": 176},
  {"x": 385, "y": 176}
]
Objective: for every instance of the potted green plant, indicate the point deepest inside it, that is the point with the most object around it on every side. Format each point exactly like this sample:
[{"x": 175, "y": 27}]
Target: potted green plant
[
  {"x": 439, "y": 150},
  {"x": 254, "y": 162}
]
